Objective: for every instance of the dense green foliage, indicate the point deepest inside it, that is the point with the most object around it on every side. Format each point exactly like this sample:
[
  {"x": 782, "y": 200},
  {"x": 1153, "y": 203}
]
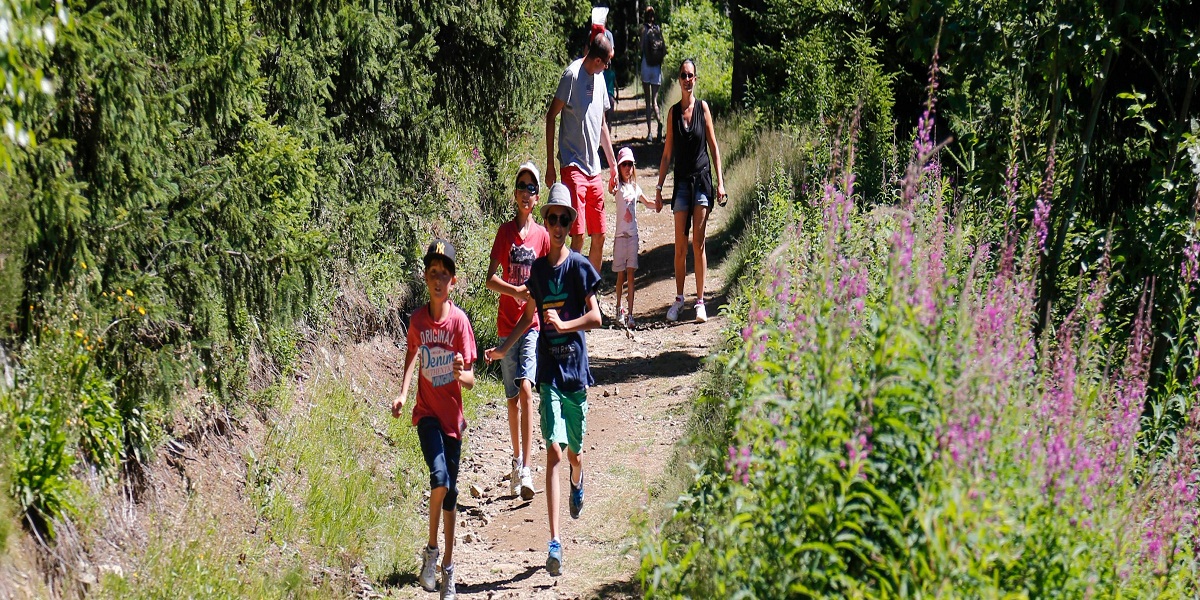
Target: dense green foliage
[
  {"x": 891, "y": 426},
  {"x": 207, "y": 174},
  {"x": 952, "y": 375}
]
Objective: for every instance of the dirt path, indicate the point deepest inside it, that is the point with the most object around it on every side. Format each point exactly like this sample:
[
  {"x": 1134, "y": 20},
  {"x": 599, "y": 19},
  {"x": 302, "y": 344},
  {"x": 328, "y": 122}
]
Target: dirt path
[{"x": 644, "y": 379}]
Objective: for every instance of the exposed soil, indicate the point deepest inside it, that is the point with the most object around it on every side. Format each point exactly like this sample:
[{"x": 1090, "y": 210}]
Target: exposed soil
[{"x": 637, "y": 410}]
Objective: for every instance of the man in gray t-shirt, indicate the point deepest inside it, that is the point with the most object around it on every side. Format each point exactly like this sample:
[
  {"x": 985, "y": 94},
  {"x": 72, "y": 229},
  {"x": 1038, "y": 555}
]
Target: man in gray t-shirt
[{"x": 582, "y": 98}]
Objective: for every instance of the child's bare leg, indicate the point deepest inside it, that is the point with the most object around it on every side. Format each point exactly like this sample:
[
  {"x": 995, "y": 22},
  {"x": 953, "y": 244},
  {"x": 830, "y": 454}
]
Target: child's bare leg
[
  {"x": 525, "y": 397},
  {"x": 448, "y": 556},
  {"x": 620, "y": 284},
  {"x": 514, "y": 422},
  {"x": 577, "y": 467},
  {"x": 436, "y": 497},
  {"x": 629, "y": 278},
  {"x": 553, "y": 457}
]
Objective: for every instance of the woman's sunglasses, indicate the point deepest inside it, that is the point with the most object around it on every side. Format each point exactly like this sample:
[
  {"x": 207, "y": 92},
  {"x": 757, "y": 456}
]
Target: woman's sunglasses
[
  {"x": 531, "y": 188},
  {"x": 687, "y": 76},
  {"x": 555, "y": 219}
]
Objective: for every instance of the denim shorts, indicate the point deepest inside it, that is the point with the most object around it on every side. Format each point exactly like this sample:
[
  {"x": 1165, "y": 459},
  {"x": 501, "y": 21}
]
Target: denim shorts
[
  {"x": 520, "y": 363},
  {"x": 686, "y": 196},
  {"x": 442, "y": 453}
]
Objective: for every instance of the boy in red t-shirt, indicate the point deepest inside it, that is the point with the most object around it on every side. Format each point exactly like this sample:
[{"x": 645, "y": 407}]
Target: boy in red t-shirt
[
  {"x": 518, "y": 243},
  {"x": 440, "y": 334}
]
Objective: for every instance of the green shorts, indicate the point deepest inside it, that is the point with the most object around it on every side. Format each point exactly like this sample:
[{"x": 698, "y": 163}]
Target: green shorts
[{"x": 564, "y": 416}]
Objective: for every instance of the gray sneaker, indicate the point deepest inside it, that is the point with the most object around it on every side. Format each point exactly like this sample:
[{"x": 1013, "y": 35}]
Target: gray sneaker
[
  {"x": 448, "y": 583},
  {"x": 673, "y": 312},
  {"x": 428, "y": 576},
  {"x": 514, "y": 479},
  {"x": 526, "y": 486}
]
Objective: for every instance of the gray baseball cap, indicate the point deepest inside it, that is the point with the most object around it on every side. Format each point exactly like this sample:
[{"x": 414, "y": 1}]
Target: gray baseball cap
[{"x": 560, "y": 197}]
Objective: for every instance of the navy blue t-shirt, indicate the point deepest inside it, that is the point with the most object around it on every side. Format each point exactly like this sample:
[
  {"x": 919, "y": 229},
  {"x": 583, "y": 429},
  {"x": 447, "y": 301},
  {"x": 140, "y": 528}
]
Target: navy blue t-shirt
[{"x": 562, "y": 357}]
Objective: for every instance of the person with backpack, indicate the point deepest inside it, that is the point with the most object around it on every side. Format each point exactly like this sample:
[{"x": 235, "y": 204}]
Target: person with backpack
[{"x": 654, "y": 50}]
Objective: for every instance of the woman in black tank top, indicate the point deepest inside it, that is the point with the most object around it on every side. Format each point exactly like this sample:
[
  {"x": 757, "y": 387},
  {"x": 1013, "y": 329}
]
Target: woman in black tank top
[{"x": 691, "y": 141}]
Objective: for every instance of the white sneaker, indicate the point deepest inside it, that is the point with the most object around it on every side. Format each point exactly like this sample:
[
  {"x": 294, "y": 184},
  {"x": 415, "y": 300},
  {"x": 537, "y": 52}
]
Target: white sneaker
[
  {"x": 448, "y": 592},
  {"x": 701, "y": 314},
  {"x": 514, "y": 478},
  {"x": 673, "y": 312},
  {"x": 428, "y": 577},
  {"x": 527, "y": 490},
  {"x": 629, "y": 322},
  {"x": 622, "y": 318}
]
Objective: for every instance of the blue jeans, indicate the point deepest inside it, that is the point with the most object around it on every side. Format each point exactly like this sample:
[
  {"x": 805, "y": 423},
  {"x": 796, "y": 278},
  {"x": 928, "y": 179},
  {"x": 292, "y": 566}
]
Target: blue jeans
[{"x": 442, "y": 453}]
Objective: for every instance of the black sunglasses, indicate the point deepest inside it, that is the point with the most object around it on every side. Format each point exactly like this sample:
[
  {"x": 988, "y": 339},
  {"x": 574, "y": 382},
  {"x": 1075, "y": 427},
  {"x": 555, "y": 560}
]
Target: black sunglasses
[
  {"x": 564, "y": 219},
  {"x": 532, "y": 188},
  {"x": 687, "y": 76}
]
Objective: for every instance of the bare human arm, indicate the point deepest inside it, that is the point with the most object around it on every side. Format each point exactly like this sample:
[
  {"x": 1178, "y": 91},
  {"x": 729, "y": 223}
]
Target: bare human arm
[
  {"x": 410, "y": 363},
  {"x": 496, "y": 284},
  {"x": 588, "y": 321},
  {"x": 464, "y": 373},
  {"x": 519, "y": 330},
  {"x": 606, "y": 145},
  {"x": 668, "y": 143},
  {"x": 556, "y": 107},
  {"x": 713, "y": 151}
]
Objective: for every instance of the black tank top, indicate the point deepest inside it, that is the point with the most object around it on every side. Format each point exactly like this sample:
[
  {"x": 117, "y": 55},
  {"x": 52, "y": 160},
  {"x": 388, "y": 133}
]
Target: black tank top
[{"x": 691, "y": 147}]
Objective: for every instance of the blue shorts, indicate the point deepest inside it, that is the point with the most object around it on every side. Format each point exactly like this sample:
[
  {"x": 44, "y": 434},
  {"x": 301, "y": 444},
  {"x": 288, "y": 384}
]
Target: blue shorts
[
  {"x": 685, "y": 197},
  {"x": 442, "y": 453},
  {"x": 519, "y": 363}
]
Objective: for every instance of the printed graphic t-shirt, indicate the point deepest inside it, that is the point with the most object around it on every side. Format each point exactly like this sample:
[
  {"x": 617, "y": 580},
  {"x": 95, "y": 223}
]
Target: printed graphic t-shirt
[
  {"x": 515, "y": 255},
  {"x": 439, "y": 394},
  {"x": 628, "y": 196},
  {"x": 585, "y": 98},
  {"x": 562, "y": 357}
]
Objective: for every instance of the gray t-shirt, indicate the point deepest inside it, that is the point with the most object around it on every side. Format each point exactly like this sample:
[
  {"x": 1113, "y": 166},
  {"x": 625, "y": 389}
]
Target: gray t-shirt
[{"x": 585, "y": 98}]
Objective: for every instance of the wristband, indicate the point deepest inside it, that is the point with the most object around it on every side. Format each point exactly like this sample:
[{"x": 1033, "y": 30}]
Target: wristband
[{"x": 658, "y": 187}]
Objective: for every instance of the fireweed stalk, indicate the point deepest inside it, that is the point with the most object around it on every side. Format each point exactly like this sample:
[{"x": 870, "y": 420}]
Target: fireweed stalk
[{"x": 894, "y": 426}]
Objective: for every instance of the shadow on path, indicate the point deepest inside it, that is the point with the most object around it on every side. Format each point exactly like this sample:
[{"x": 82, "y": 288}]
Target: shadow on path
[{"x": 624, "y": 369}]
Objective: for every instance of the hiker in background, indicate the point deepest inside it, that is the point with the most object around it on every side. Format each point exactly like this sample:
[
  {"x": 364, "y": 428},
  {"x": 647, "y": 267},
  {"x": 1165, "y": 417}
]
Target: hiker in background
[
  {"x": 517, "y": 244},
  {"x": 442, "y": 343},
  {"x": 581, "y": 99},
  {"x": 654, "y": 50},
  {"x": 690, "y": 140}
]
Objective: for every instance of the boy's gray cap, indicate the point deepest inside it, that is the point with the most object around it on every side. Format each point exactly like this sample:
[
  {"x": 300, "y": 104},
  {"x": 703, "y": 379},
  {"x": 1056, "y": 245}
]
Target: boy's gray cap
[
  {"x": 560, "y": 197},
  {"x": 533, "y": 170}
]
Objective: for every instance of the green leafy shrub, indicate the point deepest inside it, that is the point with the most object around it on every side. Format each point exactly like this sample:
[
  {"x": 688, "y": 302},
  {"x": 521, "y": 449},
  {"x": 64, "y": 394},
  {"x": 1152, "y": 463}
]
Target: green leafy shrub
[
  {"x": 894, "y": 428},
  {"x": 700, "y": 31}
]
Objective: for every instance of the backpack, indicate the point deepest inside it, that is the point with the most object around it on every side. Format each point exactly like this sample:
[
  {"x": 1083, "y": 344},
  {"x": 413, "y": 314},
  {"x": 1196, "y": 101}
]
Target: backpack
[{"x": 656, "y": 46}]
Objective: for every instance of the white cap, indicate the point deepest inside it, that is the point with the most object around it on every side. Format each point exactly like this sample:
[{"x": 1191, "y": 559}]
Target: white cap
[{"x": 533, "y": 170}]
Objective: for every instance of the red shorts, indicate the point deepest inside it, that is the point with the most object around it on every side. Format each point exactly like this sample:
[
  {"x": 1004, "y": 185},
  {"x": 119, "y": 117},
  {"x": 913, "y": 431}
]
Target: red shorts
[{"x": 587, "y": 196}]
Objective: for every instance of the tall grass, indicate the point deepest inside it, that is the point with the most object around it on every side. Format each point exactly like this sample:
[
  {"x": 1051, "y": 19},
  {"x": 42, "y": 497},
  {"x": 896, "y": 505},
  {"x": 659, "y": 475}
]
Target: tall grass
[
  {"x": 337, "y": 490},
  {"x": 892, "y": 426}
]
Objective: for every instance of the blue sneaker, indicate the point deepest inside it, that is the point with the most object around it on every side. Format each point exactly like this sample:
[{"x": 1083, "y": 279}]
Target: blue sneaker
[
  {"x": 554, "y": 559},
  {"x": 576, "y": 495}
]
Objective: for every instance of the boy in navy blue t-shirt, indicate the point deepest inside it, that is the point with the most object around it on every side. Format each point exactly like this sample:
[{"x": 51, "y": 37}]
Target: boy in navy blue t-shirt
[{"x": 563, "y": 285}]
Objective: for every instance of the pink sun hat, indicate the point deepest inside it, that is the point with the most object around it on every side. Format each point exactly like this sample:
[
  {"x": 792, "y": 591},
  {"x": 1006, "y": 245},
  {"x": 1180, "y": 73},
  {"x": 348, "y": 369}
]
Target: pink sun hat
[{"x": 625, "y": 155}]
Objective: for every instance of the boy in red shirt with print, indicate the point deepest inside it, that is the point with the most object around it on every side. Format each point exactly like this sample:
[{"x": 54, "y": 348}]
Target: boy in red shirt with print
[{"x": 440, "y": 335}]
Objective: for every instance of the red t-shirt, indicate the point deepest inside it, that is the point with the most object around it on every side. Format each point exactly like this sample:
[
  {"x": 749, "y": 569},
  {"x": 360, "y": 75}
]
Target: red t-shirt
[
  {"x": 515, "y": 256},
  {"x": 439, "y": 394}
]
